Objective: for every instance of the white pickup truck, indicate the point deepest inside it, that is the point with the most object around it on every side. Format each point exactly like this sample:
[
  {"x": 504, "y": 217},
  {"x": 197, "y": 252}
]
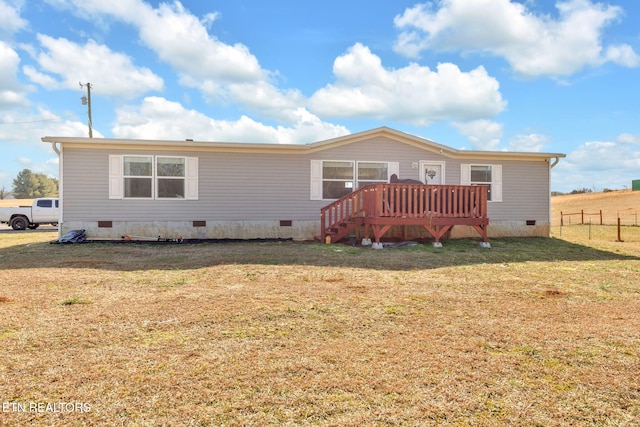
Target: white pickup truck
[{"x": 42, "y": 211}]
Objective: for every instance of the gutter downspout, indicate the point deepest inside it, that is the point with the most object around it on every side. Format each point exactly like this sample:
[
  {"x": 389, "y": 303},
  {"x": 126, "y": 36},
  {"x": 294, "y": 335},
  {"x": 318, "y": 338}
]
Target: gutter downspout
[
  {"x": 551, "y": 166},
  {"x": 58, "y": 150}
]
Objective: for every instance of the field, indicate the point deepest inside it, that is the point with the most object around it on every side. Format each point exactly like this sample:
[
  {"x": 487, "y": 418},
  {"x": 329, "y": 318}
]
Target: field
[
  {"x": 613, "y": 204},
  {"x": 623, "y": 204},
  {"x": 14, "y": 202},
  {"x": 532, "y": 332}
]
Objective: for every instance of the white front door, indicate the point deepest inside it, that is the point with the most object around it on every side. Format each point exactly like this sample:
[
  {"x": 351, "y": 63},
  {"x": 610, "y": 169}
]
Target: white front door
[{"x": 432, "y": 172}]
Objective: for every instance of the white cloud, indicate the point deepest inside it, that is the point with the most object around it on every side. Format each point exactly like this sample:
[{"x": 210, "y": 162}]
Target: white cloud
[
  {"x": 532, "y": 142},
  {"x": 623, "y": 55},
  {"x": 158, "y": 118},
  {"x": 12, "y": 93},
  {"x": 605, "y": 156},
  {"x": 208, "y": 19},
  {"x": 308, "y": 128},
  {"x": 223, "y": 72},
  {"x": 110, "y": 72},
  {"x": 533, "y": 44},
  {"x": 181, "y": 39},
  {"x": 627, "y": 138},
  {"x": 25, "y": 129},
  {"x": 263, "y": 97},
  {"x": 415, "y": 94},
  {"x": 39, "y": 78},
  {"x": 25, "y": 161},
  {"x": 600, "y": 164},
  {"x": 10, "y": 19},
  {"x": 178, "y": 38},
  {"x": 482, "y": 134},
  {"x": 21, "y": 144},
  {"x": 49, "y": 167}
]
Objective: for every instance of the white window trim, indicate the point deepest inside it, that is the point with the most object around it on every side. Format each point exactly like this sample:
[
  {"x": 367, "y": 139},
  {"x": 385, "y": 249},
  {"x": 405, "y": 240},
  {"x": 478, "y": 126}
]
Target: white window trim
[
  {"x": 316, "y": 178},
  {"x": 496, "y": 179},
  {"x": 116, "y": 178}
]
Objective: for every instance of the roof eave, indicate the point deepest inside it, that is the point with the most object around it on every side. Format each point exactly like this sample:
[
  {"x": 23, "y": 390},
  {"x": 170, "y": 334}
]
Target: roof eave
[
  {"x": 133, "y": 143},
  {"x": 417, "y": 141}
]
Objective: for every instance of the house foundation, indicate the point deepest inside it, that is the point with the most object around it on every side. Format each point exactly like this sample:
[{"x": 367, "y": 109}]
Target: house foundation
[{"x": 295, "y": 230}]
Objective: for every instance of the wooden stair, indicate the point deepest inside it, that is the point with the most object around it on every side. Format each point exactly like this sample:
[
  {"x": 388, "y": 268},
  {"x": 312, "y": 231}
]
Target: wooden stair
[{"x": 343, "y": 229}]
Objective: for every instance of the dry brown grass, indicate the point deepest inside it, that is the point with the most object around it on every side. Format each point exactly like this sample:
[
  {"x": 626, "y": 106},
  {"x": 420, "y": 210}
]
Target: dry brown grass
[
  {"x": 15, "y": 202},
  {"x": 531, "y": 332},
  {"x": 621, "y": 203}
]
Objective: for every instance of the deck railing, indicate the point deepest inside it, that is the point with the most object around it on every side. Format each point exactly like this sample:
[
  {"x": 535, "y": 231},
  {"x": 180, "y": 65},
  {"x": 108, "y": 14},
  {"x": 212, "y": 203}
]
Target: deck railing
[
  {"x": 428, "y": 201},
  {"x": 340, "y": 211},
  {"x": 407, "y": 201}
]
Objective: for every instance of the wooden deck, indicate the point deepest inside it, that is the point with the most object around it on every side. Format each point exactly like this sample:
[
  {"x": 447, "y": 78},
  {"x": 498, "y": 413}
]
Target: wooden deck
[{"x": 378, "y": 207}]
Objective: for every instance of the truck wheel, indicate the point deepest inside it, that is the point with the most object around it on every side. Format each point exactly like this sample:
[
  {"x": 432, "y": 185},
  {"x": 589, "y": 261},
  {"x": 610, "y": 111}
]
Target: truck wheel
[
  {"x": 33, "y": 226},
  {"x": 19, "y": 223}
]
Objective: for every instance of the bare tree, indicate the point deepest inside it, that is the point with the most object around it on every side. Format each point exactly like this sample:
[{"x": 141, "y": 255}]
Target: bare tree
[{"x": 4, "y": 193}]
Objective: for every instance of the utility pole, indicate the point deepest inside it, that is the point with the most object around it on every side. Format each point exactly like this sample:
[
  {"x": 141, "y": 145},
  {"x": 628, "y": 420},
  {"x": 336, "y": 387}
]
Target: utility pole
[{"x": 86, "y": 100}]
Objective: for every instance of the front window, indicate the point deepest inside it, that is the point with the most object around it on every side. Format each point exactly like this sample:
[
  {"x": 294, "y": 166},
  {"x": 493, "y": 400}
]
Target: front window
[
  {"x": 143, "y": 178},
  {"x": 138, "y": 176},
  {"x": 372, "y": 173},
  {"x": 337, "y": 179},
  {"x": 170, "y": 176},
  {"x": 333, "y": 179},
  {"x": 481, "y": 175},
  {"x": 153, "y": 177}
]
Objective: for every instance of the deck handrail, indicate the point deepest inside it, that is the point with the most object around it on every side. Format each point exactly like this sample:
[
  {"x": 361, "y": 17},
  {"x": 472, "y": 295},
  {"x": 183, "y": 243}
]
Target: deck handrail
[
  {"x": 341, "y": 210},
  {"x": 429, "y": 201},
  {"x": 406, "y": 201}
]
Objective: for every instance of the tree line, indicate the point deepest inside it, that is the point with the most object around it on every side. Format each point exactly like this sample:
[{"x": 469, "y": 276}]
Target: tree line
[{"x": 29, "y": 185}]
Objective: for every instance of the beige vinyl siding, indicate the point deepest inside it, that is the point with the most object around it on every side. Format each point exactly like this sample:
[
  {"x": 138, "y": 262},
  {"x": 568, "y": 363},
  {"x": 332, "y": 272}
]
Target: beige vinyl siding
[
  {"x": 381, "y": 149},
  {"x": 525, "y": 192},
  {"x": 235, "y": 186},
  {"x": 232, "y": 186},
  {"x": 255, "y": 187}
]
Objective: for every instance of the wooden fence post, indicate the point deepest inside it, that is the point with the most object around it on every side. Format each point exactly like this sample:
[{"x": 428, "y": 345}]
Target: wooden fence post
[{"x": 619, "y": 237}]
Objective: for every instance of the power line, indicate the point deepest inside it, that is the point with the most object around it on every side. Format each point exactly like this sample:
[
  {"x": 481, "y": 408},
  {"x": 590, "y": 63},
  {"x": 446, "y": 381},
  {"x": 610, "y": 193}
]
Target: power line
[
  {"x": 67, "y": 116},
  {"x": 33, "y": 121}
]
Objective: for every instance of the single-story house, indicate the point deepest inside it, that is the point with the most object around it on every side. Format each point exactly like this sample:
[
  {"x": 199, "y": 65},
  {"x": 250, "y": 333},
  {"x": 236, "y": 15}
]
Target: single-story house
[{"x": 219, "y": 190}]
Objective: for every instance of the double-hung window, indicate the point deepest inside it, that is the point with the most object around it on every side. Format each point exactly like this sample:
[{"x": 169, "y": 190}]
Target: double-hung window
[
  {"x": 138, "y": 177},
  {"x": 372, "y": 173},
  {"x": 489, "y": 175},
  {"x": 153, "y": 177},
  {"x": 170, "y": 177},
  {"x": 337, "y": 179},
  {"x": 332, "y": 179}
]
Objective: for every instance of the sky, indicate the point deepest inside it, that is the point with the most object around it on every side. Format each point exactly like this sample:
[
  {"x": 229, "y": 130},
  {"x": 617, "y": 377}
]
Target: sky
[{"x": 505, "y": 75}]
